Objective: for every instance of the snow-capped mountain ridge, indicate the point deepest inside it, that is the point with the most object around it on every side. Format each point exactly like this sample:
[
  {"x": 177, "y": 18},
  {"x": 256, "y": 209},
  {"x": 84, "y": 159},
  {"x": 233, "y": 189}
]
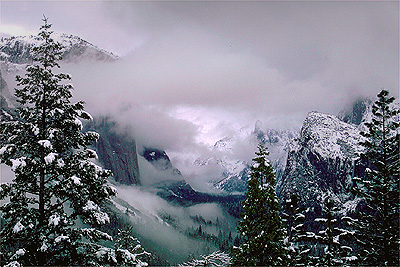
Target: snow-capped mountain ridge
[{"x": 18, "y": 50}]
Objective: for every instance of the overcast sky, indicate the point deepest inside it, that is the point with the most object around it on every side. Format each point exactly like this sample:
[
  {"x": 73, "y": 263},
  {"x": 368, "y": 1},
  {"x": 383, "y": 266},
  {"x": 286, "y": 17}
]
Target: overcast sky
[
  {"x": 298, "y": 55},
  {"x": 203, "y": 69}
]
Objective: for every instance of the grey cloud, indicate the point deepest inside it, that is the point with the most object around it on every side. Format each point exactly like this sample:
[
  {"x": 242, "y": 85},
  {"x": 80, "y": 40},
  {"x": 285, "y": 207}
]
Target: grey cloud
[
  {"x": 265, "y": 56},
  {"x": 260, "y": 52},
  {"x": 123, "y": 101}
]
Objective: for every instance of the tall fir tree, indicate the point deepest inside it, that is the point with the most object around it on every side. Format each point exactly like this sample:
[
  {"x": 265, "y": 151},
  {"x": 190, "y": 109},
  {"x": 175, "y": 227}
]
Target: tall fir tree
[
  {"x": 379, "y": 225},
  {"x": 56, "y": 183},
  {"x": 261, "y": 227}
]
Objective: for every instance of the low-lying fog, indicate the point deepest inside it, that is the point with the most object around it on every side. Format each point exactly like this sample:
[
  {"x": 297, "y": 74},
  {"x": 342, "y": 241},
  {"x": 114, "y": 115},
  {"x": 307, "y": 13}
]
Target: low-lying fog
[{"x": 162, "y": 225}]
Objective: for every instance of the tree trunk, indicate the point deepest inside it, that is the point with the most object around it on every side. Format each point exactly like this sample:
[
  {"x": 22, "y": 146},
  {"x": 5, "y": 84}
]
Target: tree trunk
[{"x": 42, "y": 156}]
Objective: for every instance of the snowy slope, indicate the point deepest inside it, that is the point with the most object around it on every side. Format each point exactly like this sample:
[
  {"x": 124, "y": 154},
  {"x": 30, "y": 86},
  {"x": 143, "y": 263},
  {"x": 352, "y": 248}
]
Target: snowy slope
[{"x": 164, "y": 227}]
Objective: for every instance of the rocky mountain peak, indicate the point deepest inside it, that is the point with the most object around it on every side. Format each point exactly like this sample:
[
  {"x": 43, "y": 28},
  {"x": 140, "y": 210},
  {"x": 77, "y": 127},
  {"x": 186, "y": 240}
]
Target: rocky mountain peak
[
  {"x": 356, "y": 113},
  {"x": 321, "y": 160},
  {"x": 160, "y": 160},
  {"x": 329, "y": 137}
]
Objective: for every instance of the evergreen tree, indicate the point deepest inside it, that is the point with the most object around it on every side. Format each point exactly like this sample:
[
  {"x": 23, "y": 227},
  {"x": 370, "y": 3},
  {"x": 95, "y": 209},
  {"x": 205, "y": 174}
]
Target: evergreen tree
[
  {"x": 332, "y": 237},
  {"x": 296, "y": 237},
  {"x": 128, "y": 250},
  {"x": 215, "y": 259},
  {"x": 261, "y": 227},
  {"x": 56, "y": 182},
  {"x": 379, "y": 225}
]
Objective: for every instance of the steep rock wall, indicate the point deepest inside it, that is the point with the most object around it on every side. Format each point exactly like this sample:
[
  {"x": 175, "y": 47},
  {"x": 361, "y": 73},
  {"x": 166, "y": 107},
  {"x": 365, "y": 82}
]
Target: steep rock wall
[{"x": 117, "y": 151}]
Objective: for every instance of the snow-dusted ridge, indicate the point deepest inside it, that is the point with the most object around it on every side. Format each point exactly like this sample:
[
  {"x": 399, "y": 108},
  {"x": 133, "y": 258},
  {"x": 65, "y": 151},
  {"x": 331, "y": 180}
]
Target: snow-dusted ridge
[{"x": 18, "y": 50}]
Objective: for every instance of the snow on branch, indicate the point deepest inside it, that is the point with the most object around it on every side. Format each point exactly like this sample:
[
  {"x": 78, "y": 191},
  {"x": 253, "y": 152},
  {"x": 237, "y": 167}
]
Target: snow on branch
[
  {"x": 50, "y": 158},
  {"x": 45, "y": 144},
  {"x": 13, "y": 264},
  {"x": 18, "y": 227},
  {"x": 216, "y": 259},
  {"x": 19, "y": 162},
  {"x": 94, "y": 211},
  {"x": 78, "y": 123},
  {"x": 5, "y": 148},
  {"x": 54, "y": 219}
]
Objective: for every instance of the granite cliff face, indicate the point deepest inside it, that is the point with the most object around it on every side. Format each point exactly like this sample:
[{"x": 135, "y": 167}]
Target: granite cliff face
[
  {"x": 116, "y": 151},
  {"x": 322, "y": 160},
  {"x": 4, "y": 96}
]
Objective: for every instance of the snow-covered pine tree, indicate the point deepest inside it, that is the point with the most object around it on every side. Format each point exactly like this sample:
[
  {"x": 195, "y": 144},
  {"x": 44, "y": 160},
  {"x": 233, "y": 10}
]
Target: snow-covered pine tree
[
  {"x": 379, "y": 225},
  {"x": 332, "y": 238},
  {"x": 261, "y": 227},
  {"x": 56, "y": 186},
  {"x": 128, "y": 250},
  {"x": 296, "y": 237},
  {"x": 215, "y": 259}
]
